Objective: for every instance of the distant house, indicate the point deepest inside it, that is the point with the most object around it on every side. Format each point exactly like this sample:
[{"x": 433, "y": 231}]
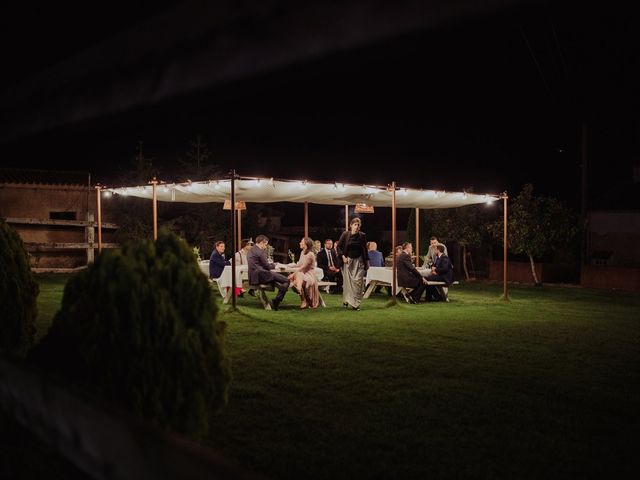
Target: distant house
[
  {"x": 54, "y": 214},
  {"x": 613, "y": 236},
  {"x": 614, "y": 227}
]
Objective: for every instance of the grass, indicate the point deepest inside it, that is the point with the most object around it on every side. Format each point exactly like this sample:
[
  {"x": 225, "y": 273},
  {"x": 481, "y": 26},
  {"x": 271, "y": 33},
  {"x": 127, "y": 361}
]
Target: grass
[{"x": 543, "y": 385}]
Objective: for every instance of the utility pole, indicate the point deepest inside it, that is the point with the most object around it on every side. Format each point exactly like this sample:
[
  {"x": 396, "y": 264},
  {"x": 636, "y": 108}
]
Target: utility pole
[{"x": 584, "y": 194}]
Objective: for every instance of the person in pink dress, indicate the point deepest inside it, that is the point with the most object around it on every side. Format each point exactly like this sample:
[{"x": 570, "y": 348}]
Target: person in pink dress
[{"x": 304, "y": 278}]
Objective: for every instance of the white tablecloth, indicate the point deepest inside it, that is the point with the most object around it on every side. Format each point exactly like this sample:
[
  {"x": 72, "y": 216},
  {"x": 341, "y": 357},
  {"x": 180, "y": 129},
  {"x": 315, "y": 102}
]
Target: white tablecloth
[
  {"x": 385, "y": 274},
  {"x": 242, "y": 274}
]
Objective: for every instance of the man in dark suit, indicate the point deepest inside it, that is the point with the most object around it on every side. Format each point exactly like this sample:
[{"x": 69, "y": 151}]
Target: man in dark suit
[
  {"x": 328, "y": 261},
  {"x": 408, "y": 276},
  {"x": 260, "y": 270},
  {"x": 442, "y": 271},
  {"x": 217, "y": 261}
]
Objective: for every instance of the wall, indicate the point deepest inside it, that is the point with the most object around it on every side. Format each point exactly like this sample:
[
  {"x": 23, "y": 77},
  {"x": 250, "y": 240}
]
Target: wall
[
  {"x": 621, "y": 278},
  {"x": 546, "y": 272},
  {"x": 35, "y": 201}
]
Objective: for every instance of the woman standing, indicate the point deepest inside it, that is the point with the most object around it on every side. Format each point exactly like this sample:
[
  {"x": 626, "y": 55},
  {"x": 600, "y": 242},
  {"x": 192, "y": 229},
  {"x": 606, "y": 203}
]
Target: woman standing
[
  {"x": 352, "y": 246},
  {"x": 304, "y": 278}
]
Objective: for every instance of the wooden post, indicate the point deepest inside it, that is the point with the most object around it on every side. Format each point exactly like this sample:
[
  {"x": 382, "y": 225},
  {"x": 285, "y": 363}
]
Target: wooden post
[
  {"x": 583, "y": 195},
  {"x": 505, "y": 288},
  {"x": 99, "y": 213},
  {"x": 90, "y": 234},
  {"x": 239, "y": 227},
  {"x": 417, "y": 237},
  {"x": 393, "y": 240},
  {"x": 306, "y": 219},
  {"x": 154, "y": 189},
  {"x": 232, "y": 174},
  {"x": 346, "y": 217}
]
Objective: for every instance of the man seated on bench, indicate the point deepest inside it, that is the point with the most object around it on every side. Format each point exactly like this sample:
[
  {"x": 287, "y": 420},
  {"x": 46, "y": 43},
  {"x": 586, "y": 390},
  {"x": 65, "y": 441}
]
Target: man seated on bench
[
  {"x": 408, "y": 276},
  {"x": 327, "y": 260},
  {"x": 442, "y": 271},
  {"x": 260, "y": 270}
]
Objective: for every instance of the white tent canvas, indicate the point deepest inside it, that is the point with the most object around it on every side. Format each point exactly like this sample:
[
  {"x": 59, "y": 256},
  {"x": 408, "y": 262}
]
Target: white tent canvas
[{"x": 268, "y": 190}]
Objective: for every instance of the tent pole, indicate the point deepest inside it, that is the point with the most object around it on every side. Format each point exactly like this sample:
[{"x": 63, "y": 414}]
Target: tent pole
[
  {"x": 306, "y": 219},
  {"x": 346, "y": 217},
  {"x": 239, "y": 226},
  {"x": 417, "y": 237},
  {"x": 232, "y": 174},
  {"x": 505, "y": 288},
  {"x": 99, "y": 212},
  {"x": 393, "y": 239},
  {"x": 154, "y": 188}
]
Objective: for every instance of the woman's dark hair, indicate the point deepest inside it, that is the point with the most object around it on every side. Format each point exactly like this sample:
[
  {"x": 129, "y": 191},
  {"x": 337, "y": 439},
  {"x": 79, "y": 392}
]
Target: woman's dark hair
[{"x": 308, "y": 243}]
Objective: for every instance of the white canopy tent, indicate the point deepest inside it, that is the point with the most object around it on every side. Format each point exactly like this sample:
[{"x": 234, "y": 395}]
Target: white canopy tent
[
  {"x": 267, "y": 190},
  {"x": 261, "y": 190}
]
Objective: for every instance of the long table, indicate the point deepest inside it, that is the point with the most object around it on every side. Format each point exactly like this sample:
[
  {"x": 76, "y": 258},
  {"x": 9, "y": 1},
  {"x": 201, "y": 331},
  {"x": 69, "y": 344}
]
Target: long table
[
  {"x": 383, "y": 276},
  {"x": 242, "y": 276}
]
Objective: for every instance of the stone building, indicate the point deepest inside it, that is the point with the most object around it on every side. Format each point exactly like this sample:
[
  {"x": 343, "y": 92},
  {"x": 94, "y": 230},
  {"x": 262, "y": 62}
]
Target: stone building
[{"x": 54, "y": 214}]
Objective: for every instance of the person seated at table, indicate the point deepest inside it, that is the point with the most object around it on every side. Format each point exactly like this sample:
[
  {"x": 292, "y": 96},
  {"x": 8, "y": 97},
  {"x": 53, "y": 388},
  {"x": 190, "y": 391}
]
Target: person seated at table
[
  {"x": 260, "y": 270},
  {"x": 388, "y": 261},
  {"x": 375, "y": 257},
  {"x": 245, "y": 247},
  {"x": 328, "y": 261},
  {"x": 241, "y": 258},
  {"x": 408, "y": 276},
  {"x": 441, "y": 271},
  {"x": 304, "y": 277},
  {"x": 217, "y": 261},
  {"x": 432, "y": 254}
]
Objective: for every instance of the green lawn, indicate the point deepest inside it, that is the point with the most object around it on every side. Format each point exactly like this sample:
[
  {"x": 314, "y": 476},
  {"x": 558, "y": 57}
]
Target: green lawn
[{"x": 545, "y": 385}]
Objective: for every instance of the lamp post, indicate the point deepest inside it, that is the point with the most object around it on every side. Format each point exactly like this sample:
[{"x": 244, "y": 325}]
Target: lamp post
[
  {"x": 99, "y": 215},
  {"x": 505, "y": 288},
  {"x": 154, "y": 189}
]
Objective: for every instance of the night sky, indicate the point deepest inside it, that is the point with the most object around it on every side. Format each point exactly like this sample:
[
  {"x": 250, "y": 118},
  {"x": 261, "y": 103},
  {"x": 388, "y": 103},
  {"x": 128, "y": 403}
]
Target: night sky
[{"x": 487, "y": 102}]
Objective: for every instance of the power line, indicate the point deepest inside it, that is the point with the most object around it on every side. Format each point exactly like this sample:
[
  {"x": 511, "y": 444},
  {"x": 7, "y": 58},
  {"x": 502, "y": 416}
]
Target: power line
[{"x": 533, "y": 56}]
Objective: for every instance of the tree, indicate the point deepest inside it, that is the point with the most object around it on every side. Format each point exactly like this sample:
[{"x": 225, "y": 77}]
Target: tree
[
  {"x": 424, "y": 232},
  {"x": 18, "y": 294},
  {"x": 537, "y": 226},
  {"x": 197, "y": 163},
  {"x": 466, "y": 225},
  {"x": 139, "y": 328}
]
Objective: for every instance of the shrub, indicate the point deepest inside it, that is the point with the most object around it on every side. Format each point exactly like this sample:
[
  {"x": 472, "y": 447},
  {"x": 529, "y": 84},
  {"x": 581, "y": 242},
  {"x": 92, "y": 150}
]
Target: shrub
[
  {"x": 18, "y": 294},
  {"x": 139, "y": 328}
]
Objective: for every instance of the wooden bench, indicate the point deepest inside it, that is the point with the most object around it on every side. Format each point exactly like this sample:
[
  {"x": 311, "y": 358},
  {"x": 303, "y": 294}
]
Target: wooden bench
[
  {"x": 261, "y": 290},
  {"x": 443, "y": 290},
  {"x": 326, "y": 285}
]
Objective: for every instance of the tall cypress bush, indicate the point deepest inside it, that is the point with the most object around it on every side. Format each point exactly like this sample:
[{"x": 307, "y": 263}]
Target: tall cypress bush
[
  {"x": 18, "y": 294},
  {"x": 139, "y": 328}
]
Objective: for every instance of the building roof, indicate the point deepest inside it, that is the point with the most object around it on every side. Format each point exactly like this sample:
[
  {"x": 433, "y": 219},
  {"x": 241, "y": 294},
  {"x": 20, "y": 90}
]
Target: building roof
[{"x": 43, "y": 177}]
